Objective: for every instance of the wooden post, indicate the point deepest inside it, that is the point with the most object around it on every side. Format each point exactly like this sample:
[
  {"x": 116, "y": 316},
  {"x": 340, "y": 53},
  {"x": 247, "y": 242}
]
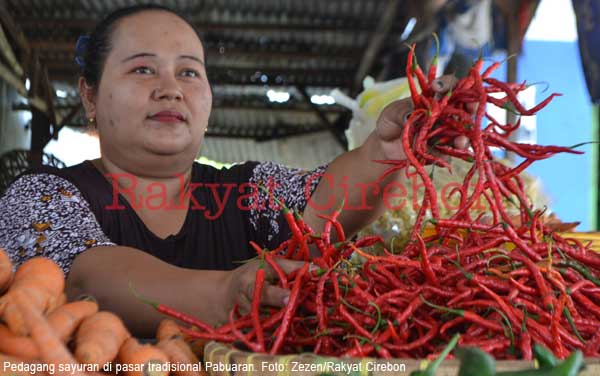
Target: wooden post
[
  {"x": 40, "y": 122},
  {"x": 514, "y": 48}
]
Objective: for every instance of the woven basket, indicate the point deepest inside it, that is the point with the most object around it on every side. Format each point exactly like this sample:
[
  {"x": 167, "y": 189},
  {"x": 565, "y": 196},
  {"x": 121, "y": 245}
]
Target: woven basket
[
  {"x": 585, "y": 237},
  {"x": 222, "y": 359}
]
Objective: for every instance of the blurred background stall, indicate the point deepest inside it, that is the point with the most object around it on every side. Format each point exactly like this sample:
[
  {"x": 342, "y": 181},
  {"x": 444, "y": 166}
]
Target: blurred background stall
[{"x": 273, "y": 65}]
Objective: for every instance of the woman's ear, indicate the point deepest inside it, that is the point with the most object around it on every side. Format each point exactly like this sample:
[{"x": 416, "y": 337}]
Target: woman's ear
[{"x": 88, "y": 98}]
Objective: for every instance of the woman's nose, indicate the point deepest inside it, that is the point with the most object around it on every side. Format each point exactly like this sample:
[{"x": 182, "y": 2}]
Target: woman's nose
[{"x": 168, "y": 89}]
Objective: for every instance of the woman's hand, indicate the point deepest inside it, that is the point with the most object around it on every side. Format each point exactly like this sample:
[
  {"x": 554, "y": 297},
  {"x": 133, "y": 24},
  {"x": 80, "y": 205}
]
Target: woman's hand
[
  {"x": 394, "y": 116},
  {"x": 240, "y": 285}
]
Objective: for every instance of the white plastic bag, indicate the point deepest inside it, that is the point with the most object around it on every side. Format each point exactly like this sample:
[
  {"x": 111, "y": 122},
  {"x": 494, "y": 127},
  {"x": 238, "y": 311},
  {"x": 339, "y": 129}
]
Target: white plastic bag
[{"x": 368, "y": 105}]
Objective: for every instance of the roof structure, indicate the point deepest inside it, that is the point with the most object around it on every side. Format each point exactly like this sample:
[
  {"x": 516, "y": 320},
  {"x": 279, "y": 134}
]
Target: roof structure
[{"x": 303, "y": 48}]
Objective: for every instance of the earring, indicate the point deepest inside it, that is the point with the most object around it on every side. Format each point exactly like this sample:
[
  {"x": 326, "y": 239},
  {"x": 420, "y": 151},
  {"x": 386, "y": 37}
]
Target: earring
[{"x": 92, "y": 121}]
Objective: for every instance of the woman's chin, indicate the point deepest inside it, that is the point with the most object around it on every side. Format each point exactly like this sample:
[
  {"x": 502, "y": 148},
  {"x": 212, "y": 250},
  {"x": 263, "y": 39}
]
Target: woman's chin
[{"x": 167, "y": 147}]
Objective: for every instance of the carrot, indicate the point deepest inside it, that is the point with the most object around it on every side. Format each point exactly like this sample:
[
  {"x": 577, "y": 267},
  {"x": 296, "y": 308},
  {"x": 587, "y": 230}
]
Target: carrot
[
  {"x": 133, "y": 355},
  {"x": 197, "y": 345},
  {"x": 8, "y": 362},
  {"x": 99, "y": 338},
  {"x": 180, "y": 354},
  {"x": 15, "y": 345},
  {"x": 6, "y": 270},
  {"x": 170, "y": 340},
  {"x": 66, "y": 318},
  {"x": 42, "y": 281},
  {"x": 52, "y": 350},
  {"x": 168, "y": 329},
  {"x": 56, "y": 303}
]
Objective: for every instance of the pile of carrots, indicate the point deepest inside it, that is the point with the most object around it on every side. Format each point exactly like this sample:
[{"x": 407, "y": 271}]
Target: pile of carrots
[
  {"x": 38, "y": 325},
  {"x": 503, "y": 283}
]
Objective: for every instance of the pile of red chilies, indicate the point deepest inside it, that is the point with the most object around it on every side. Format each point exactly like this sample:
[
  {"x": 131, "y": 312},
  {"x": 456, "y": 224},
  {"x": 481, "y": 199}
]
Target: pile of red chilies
[{"x": 503, "y": 285}]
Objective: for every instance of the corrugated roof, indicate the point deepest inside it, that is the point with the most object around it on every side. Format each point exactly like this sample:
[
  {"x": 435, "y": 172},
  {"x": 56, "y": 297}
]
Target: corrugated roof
[{"x": 251, "y": 47}]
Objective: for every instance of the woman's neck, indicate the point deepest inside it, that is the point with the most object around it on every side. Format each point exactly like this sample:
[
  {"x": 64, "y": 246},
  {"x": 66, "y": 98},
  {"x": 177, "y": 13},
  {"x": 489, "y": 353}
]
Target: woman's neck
[{"x": 147, "y": 192}]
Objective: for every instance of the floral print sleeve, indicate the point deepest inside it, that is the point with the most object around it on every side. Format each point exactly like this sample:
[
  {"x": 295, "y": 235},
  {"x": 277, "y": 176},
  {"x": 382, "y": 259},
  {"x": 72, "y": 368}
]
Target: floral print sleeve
[
  {"x": 293, "y": 186},
  {"x": 45, "y": 215}
]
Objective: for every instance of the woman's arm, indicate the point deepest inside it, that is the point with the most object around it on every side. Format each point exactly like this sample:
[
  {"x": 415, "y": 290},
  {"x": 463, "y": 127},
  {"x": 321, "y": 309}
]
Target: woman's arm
[
  {"x": 353, "y": 175},
  {"x": 106, "y": 273}
]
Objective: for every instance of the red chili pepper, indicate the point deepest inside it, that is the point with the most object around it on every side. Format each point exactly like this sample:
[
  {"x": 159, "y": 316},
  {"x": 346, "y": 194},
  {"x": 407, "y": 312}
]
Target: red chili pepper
[
  {"x": 207, "y": 335},
  {"x": 409, "y": 75},
  {"x": 433, "y": 66},
  {"x": 280, "y": 273},
  {"x": 255, "y": 311},
  {"x": 429, "y": 274},
  {"x": 242, "y": 337},
  {"x": 558, "y": 347},
  {"x": 172, "y": 312},
  {"x": 515, "y": 101},
  {"x": 290, "y": 309}
]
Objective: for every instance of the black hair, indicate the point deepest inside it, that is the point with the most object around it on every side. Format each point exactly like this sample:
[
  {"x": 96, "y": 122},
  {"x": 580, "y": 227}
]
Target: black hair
[{"x": 91, "y": 54}]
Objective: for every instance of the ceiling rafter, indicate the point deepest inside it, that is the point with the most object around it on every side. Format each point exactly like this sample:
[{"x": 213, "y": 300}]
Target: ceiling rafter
[{"x": 375, "y": 44}]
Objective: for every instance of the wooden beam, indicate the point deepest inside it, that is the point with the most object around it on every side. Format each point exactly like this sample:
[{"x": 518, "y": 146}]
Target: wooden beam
[
  {"x": 9, "y": 77},
  {"x": 9, "y": 54},
  {"x": 292, "y": 109},
  {"x": 34, "y": 72},
  {"x": 222, "y": 75},
  {"x": 13, "y": 29},
  {"x": 49, "y": 94},
  {"x": 67, "y": 119},
  {"x": 315, "y": 109},
  {"x": 341, "y": 24},
  {"x": 274, "y": 133},
  {"x": 324, "y": 120},
  {"x": 213, "y": 51},
  {"x": 513, "y": 48},
  {"x": 40, "y": 135},
  {"x": 219, "y": 106},
  {"x": 377, "y": 40}
]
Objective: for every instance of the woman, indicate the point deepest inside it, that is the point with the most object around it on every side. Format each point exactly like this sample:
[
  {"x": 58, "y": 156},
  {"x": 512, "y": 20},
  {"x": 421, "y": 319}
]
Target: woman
[{"x": 145, "y": 214}]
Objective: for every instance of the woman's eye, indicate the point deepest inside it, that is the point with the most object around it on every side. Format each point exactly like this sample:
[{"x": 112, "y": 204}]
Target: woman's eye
[
  {"x": 143, "y": 70},
  {"x": 190, "y": 73}
]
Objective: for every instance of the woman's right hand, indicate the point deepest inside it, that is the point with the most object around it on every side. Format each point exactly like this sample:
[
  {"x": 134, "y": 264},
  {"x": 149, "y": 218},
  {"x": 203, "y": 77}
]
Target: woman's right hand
[{"x": 240, "y": 285}]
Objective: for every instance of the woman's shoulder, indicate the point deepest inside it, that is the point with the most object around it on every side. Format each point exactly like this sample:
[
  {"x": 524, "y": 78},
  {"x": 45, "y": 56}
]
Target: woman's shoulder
[
  {"x": 47, "y": 180},
  {"x": 50, "y": 173}
]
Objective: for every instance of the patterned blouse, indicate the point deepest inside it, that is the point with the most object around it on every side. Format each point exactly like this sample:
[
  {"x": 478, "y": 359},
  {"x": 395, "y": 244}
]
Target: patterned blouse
[{"x": 61, "y": 213}]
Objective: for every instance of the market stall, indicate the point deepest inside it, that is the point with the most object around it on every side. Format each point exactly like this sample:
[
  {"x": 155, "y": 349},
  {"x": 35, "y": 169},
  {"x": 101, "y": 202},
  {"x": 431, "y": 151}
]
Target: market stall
[{"x": 467, "y": 271}]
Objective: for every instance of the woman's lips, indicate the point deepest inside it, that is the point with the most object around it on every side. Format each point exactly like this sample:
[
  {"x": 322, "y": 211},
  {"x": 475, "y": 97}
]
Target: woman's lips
[{"x": 168, "y": 117}]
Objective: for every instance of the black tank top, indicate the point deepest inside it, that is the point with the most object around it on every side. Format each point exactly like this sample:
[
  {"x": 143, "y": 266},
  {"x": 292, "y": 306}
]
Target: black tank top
[{"x": 215, "y": 234}]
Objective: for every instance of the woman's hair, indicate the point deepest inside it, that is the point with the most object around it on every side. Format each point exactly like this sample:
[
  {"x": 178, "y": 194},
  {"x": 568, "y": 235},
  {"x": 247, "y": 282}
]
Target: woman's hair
[{"x": 91, "y": 52}]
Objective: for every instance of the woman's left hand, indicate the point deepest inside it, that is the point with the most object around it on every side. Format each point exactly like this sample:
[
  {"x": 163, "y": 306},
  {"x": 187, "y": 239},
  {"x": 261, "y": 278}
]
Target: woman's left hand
[{"x": 393, "y": 117}]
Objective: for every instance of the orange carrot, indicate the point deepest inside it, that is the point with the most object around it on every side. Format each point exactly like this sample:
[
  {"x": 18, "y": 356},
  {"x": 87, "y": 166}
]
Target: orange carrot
[
  {"x": 153, "y": 360},
  {"x": 197, "y": 346},
  {"x": 99, "y": 338},
  {"x": 168, "y": 329},
  {"x": 15, "y": 345},
  {"x": 170, "y": 340},
  {"x": 10, "y": 364},
  {"x": 42, "y": 281},
  {"x": 52, "y": 350},
  {"x": 66, "y": 318},
  {"x": 180, "y": 354},
  {"x": 6, "y": 271},
  {"x": 55, "y": 303}
]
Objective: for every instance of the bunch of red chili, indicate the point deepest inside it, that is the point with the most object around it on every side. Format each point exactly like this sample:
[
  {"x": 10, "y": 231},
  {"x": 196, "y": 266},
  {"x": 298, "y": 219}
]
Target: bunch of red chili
[{"x": 504, "y": 285}]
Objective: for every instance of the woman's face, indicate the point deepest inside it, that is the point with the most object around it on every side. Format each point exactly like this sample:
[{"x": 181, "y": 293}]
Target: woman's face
[{"x": 153, "y": 100}]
